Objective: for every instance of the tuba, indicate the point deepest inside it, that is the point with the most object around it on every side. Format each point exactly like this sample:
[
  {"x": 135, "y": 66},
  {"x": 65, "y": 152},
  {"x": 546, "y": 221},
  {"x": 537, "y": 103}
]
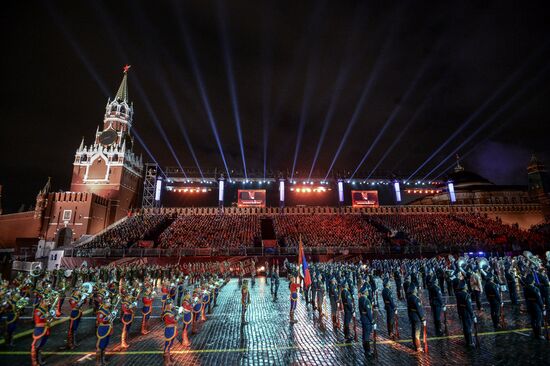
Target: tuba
[
  {"x": 483, "y": 264},
  {"x": 36, "y": 269},
  {"x": 21, "y": 303},
  {"x": 533, "y": 259},
  {"x": 87, "y": 288}
]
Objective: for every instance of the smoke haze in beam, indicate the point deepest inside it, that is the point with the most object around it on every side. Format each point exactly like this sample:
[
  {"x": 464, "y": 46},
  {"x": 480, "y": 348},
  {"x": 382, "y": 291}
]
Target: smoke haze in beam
[
  {"x": 304, "y": 112},
  {"x": 425, "y": 103},
  {"x": 480, "y": 146},
  {"x": 114, "y": 36},
  {"x": 60, "y": 22},
  {"x": 300, "y": 54},
  {"x": 394, "y": 113},
  {"x": 346, "y": 65},
  {"x": 503, "y": 87},
  {"x": 267, "y": 74},
  {"x": 231, "y": 79},
  {"x": 491, "y": 119},
  {"x": 200, "y": 83},
  {"x": 373, "y": 76},
  {"x": 177, "y": 116},
  {"x": 92, "y": 71}
]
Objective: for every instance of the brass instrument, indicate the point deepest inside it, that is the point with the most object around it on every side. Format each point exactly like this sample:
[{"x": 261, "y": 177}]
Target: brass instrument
[
  {"x": 21, "y": 303},
  {"x": 53, "y": 294},
  {"x": 483, "y": 263},
  {"x": 86, "y": 288},
  {"x": 114, "y": 312},
  {"x": 36, "y": 269},
  {"x": 533, "y": 259},
  {"x": 461, "y": 263}
]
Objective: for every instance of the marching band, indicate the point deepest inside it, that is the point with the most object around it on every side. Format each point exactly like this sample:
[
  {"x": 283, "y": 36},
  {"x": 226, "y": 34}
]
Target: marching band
[{"x": 114, "y": 292}]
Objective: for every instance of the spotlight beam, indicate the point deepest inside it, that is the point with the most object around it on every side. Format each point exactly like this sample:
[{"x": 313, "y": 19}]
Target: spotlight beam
[
  {"x": 60, "y": 22},
  {"x": 343, "y": 74},
  {"x": 157, "y": 123},
  {"x": 493, "y": 117},
  {"x": 481, "y": 109},
  {"x": 169, "y": 96},
  {"x": 200, "y": 83},
  {"x": 304, "y": 112},
  {"x": 266, "y": 54},
  {"x": 142, "y": 143},
  {"x": 359, "y": 106},
  {"x": 114, "y": 36},
  {"x": 95, "y": 75},
  {"x": 493, "y": 132},
  {"x": 299, "y": 54},
  {"x": 409, "y": 124},
  {"x": 394, "y": 114},
  {"x": 167, "y": 92},
  {"x": 231, "y": 79}
]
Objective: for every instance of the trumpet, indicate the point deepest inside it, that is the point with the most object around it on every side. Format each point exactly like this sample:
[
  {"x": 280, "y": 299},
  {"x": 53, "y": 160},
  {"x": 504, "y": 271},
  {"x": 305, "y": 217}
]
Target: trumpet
[
  {"x": 55, "y": 295},
  {"x": 114, "y": 313}
]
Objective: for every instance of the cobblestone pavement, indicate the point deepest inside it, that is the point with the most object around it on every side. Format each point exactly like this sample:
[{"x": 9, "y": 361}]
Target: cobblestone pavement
[{"x": 269, "y": 339}]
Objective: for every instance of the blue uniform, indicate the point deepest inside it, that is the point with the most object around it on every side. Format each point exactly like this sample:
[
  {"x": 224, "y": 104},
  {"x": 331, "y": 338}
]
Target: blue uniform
[
  {"x": 104, "y": 328},
  {"x": 416, "y": 317}
]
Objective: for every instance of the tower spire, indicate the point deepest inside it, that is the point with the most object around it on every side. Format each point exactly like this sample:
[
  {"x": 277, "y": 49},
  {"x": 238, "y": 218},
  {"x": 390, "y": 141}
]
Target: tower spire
[
  {"x": 122, "y": 93},
  {"x": 46, "y": 188},
  {"x": 458, "y": 167}
]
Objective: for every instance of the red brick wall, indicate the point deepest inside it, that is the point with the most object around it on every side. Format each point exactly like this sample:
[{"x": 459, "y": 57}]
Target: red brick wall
[
  {"x": 18, "y": 225},
  {"x": 87, "y": 215}
]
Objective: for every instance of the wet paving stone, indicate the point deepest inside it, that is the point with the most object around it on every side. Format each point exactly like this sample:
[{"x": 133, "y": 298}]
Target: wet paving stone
[{"x": 269, "y": 339}]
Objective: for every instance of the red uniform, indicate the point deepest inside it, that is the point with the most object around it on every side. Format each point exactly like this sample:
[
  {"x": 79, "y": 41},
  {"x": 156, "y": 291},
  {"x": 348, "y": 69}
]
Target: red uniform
[
  {"x": 170, "y": 332},
  {"x": 146, "y": 310},
  {"x": 40, "y": 334}
]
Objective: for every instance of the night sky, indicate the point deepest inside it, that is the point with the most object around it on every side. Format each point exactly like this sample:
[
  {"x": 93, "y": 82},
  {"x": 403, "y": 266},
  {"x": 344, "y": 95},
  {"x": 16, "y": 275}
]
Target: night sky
[{"x": 302, "y": 72}]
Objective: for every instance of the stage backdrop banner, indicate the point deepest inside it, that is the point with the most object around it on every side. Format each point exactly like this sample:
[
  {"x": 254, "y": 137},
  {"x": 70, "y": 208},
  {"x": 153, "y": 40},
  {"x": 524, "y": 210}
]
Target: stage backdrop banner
[
  {"x": 364, "y": 198},
  {"x": 251, "y": 198}
]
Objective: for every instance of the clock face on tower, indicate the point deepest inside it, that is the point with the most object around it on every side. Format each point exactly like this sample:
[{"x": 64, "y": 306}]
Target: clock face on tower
[{"x": 108, "y": 137}]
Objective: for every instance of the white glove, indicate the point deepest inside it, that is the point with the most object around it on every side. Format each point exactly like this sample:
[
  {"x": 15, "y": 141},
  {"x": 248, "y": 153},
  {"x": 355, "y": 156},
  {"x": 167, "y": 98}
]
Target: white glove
[
  {"x": 424, "y": 323},
  {"x": 444, "y": 308},
  {"x": 544, "y": 313},
  {"x": 395, "y": 311},
  {"x": 374, "y": 327},
  {"x": 475, "y": 320}
]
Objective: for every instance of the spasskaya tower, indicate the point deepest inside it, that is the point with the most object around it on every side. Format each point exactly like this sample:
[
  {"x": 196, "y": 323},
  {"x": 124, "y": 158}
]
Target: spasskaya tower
[{"x": 108, "y": 167}]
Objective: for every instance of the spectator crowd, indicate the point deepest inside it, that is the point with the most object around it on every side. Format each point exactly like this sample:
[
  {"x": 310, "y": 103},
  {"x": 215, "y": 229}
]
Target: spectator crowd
[
  {"x": 205, "y": 231},
  {"x": 439, "y": 232},
  {"x": 127, "y": 233}
]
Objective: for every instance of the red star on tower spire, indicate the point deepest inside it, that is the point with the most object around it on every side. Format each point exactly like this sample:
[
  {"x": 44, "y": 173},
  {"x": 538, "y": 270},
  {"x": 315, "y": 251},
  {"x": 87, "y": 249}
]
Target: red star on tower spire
[{"x": 126, "y": 68}]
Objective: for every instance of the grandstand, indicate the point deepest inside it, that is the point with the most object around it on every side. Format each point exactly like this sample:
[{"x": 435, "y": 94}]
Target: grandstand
[{"x": 319, "y": 229}]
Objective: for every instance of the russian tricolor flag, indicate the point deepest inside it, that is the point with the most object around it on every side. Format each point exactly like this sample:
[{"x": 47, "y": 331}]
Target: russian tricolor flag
[{"x": 302, "y": 264}]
